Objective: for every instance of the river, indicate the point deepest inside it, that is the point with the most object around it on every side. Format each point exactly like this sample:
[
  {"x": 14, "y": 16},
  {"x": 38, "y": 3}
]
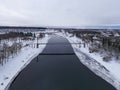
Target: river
[{"x": 58, "y": 68}]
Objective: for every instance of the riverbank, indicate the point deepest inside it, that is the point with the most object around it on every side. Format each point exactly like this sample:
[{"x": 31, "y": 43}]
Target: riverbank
[
  {"x": 10, "y": 71},
  {"x": 58, "y": 72},
  {"x": 97, "y": 67},
  {"x": 107, "y": 71},
  {"x": 12, "y": 68}
]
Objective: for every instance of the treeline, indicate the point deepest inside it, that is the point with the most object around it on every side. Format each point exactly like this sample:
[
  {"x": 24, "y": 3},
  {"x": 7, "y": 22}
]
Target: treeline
[
  {"x": 111, "y": 42},
  {"x": 16, "y": 27},
  {"x": 6, "y": 51},
  {"x": 12, "y": 42},
  {"x": 96, "y": 42},
  {"x": 14, "y": 45},
  {"x": 112, "y": 45},
  {"x": 81, "y": 31},
  {"x": 15, "y": 35},
  {"x": 41, "y": 35}
]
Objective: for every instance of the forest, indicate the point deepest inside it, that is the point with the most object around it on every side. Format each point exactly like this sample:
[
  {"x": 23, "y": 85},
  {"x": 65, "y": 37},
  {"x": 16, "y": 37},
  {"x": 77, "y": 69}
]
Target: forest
[
  {"x": 11, "y": 43},
  {"x": 107, "y": 44}
]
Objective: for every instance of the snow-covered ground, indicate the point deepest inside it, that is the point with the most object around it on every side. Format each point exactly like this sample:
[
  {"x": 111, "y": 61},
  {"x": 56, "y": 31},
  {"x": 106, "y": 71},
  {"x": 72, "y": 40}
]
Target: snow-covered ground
[
  {"x": 109, "y": 71},
  {"x": 12, "y": 68}
]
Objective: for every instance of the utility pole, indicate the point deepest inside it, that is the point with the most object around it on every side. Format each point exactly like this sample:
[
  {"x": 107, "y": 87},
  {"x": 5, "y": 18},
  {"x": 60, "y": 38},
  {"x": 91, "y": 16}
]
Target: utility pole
[{"x": 37, "y": 43}]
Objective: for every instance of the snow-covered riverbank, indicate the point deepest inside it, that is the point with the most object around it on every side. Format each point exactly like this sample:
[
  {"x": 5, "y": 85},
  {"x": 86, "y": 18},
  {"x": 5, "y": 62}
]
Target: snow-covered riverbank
[
  {"x": 12, "y": 68},
  {"x": 99, "y": 68},
  {"x": 109, "y": 71}
]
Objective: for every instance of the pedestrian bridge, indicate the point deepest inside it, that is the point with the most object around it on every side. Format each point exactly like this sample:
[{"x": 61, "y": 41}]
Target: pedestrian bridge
[{"x": 58, "y": 44}]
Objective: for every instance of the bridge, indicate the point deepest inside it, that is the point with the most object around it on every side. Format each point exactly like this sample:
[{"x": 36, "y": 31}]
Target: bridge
[
  {"x": 57, "y": 53},
  {"x": 59, "y": 43}
]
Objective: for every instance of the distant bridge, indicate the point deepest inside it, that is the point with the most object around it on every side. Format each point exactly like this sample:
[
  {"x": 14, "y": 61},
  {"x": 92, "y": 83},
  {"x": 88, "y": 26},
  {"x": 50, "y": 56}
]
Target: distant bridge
[
  {"x": 57, "y": 53},
  {"x": 59, "y": 43}
]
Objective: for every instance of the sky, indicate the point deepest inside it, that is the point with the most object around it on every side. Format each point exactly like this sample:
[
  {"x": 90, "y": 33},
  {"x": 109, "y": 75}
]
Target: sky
[{"x": 59, "y": 12}]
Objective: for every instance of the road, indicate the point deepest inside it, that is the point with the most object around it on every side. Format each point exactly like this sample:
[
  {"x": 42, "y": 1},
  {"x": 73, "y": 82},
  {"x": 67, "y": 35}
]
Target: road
[{"x": 58, "y": 71}]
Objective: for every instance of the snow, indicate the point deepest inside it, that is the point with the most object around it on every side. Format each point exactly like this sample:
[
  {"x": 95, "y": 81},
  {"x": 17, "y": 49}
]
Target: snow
[
  {"x": 116, "y": 35},
  {"x": 109, "y": 71},
  {"x": 12, "y": 68}
]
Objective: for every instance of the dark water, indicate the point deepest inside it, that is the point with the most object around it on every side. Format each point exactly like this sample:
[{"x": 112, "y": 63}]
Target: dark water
[{"x": 58, "y": 72}]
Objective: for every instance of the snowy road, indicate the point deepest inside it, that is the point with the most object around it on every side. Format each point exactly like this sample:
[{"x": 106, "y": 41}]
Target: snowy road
[{"x": 58, "y": 72}]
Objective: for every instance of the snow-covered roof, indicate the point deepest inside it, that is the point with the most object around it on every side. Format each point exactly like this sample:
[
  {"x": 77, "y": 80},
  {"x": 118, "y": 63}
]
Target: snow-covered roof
[
  {"x": 116, "y": 35},
  {"x": 95, "y": 37}
]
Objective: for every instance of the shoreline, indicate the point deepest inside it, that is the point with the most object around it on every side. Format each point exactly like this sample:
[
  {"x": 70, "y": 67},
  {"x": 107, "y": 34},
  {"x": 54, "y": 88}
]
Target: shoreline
[
  {"x": 34, "y": 54},
  {"x": 97, "y": 69},
  {"x": 31, "y": 58}
]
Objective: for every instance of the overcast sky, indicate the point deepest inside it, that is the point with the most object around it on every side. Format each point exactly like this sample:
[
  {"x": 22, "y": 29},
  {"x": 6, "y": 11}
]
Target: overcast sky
[{"x": 59, "y": 12}]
